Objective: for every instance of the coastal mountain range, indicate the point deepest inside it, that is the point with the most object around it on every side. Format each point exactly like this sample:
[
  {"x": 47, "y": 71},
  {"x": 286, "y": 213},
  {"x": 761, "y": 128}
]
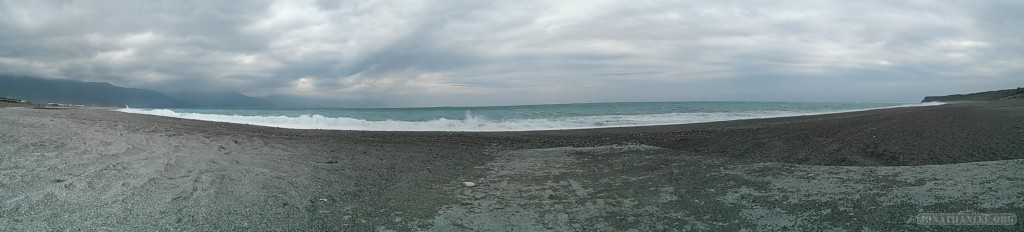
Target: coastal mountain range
[
  {"x": 41, "y": 90},
  {"x": 222, "y": 99}
]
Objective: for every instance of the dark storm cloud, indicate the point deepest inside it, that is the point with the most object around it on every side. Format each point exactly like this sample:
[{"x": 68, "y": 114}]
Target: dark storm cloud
[{"x": 408, "y": 53}]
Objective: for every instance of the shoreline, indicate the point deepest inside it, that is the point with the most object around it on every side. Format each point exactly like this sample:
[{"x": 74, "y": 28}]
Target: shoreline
[
  {"x": 234, "y": 119},
  {"x": 95, "y": 169}
]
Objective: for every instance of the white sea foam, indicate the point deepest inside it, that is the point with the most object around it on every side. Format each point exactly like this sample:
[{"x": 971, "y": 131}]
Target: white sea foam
[{"x": 477, "y": 123}]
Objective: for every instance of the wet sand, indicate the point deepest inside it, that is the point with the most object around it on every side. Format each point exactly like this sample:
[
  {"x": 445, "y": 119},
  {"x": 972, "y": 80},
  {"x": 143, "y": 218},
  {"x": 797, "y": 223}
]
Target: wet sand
[{"x": 94, "y": 169}]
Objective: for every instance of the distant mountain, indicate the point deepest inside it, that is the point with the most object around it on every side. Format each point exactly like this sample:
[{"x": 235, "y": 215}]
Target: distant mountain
[
  {"x": 41, "y": 90},
  {"x": 980, "y": 96},
  {"x": 222, "y": 99},
  {"x": 294, "y": 101}
]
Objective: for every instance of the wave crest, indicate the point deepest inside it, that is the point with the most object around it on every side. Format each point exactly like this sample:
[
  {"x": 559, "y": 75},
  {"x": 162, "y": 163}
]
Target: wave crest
[{"x": 477, "y": 122}]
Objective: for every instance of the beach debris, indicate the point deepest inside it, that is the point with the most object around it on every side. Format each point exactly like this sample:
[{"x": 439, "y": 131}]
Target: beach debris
[{"x": 468, "y": 184}]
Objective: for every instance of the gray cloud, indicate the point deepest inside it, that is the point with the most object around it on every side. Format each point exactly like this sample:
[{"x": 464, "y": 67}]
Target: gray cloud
[{"x": 421, "y": 53}]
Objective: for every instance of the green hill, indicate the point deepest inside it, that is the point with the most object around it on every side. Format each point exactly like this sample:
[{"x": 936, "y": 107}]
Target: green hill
[{"x": 980, "y": 96}]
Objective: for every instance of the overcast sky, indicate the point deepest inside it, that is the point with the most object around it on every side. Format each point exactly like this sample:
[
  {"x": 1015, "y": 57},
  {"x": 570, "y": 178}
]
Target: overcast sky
[{"x": 443, "y": 53}]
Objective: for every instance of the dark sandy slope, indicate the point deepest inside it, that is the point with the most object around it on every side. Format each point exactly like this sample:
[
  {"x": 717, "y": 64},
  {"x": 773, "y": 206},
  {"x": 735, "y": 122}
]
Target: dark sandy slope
[{"x": 93, "y": 169}]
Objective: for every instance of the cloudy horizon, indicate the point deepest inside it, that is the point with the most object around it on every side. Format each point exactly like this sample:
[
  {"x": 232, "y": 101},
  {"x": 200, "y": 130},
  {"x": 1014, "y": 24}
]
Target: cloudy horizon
[{"x": 458, "y": 53}]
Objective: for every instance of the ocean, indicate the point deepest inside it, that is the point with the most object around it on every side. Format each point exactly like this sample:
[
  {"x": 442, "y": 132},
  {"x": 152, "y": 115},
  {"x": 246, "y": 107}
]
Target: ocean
[{"x": 515, "y": 118}]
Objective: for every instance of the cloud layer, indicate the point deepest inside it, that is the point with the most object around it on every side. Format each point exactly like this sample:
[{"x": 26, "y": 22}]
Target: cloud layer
[{"x": 430, "y": 53}]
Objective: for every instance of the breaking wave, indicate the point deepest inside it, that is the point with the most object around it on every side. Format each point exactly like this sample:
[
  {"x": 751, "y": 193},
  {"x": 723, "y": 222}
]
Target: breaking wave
[{"x": 482, "y": 123}]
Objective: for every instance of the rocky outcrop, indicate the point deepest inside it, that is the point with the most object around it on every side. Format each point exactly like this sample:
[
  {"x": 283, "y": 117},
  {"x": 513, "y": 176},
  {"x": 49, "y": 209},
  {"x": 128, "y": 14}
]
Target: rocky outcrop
[{"x": 1019, "y": 96}]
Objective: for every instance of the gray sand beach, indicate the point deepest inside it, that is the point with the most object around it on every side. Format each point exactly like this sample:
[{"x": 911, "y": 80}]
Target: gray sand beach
[{"x": 93, "y": 169}]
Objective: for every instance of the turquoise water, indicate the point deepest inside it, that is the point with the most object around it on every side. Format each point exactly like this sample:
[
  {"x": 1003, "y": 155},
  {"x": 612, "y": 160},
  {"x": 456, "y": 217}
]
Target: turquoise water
[{"x": 515, "y": 118}]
